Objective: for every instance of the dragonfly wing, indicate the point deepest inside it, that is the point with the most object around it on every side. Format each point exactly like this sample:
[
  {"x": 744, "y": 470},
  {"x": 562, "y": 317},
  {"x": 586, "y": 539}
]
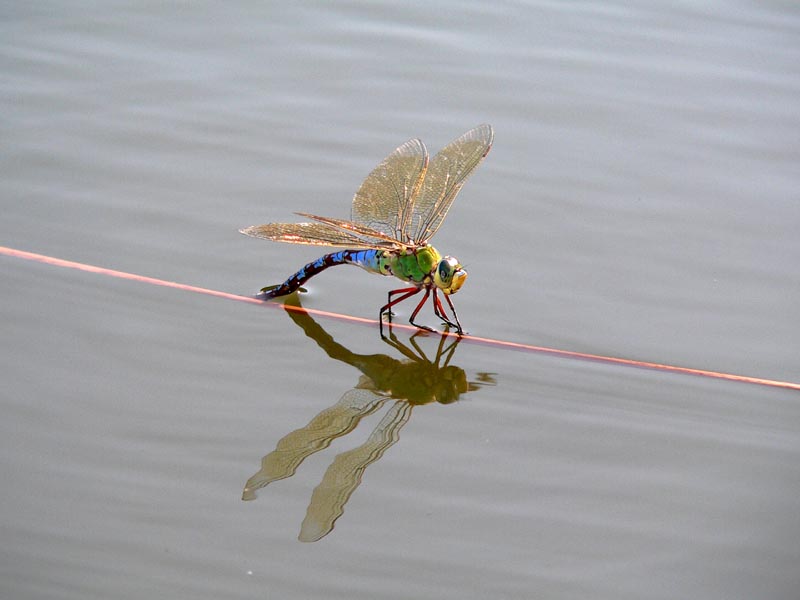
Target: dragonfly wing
[
  {"x": 447, "y": 172},
  {"x": 385, "y": 200},
  {"x": 313, "y": 234},
  {"x": 379, "y": 239}
]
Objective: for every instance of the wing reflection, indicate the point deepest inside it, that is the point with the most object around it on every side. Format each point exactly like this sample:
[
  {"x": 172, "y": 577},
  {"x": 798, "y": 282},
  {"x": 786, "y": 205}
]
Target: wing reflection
[{"x": 401, "y": 383}]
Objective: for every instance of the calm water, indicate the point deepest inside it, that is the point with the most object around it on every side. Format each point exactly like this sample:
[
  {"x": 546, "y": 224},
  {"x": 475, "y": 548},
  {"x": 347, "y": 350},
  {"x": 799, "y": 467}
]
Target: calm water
[{"x": 640, "y": 201}]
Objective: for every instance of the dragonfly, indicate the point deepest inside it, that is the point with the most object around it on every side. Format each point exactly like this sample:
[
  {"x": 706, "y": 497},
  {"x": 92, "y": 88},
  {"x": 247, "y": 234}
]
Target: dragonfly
[{"x": 397, "y": 209}]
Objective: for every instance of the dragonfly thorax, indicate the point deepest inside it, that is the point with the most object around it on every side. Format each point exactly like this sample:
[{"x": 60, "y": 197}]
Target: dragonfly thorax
[{"x": 425, "y": 267}]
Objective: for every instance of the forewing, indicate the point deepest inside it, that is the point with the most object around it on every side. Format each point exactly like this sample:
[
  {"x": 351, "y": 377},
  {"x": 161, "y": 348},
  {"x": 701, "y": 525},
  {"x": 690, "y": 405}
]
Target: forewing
[
  {"x": 384, "y": 202},
  {"x": 446, "y": 173},
  {"x": 313, "y": 234},
  {"x": 363, "y": 232}
]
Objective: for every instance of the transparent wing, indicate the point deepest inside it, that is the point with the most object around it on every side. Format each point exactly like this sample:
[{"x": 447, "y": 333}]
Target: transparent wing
[
  {"x": 446, "y": 173},
  {"x": 362, "y": 231},
  {"x": 313, "y": 234},
  {"x": 385, "y": 200}
]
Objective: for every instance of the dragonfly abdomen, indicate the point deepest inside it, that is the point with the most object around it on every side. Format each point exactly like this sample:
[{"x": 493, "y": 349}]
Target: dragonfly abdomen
[{"x": 375, "y": 261}]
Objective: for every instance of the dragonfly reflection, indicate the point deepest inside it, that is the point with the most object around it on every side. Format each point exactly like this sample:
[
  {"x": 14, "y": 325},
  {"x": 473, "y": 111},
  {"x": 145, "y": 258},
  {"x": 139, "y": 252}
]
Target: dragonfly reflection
[{"x": 401, "y": 383}]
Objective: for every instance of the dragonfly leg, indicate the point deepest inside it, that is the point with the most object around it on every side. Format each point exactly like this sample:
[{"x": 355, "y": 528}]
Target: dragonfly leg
[
  {"x": 459, "y": 329},
  {"x": 438, "y": 309},
  {"x": 419, "y": 307},
  {"x": 441, "y": 313},
  {"x": 407, "y": 293}
]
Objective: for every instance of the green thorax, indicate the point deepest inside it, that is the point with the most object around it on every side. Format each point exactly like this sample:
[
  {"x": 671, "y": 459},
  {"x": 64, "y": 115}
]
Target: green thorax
[{"x": 414, "y": 265}]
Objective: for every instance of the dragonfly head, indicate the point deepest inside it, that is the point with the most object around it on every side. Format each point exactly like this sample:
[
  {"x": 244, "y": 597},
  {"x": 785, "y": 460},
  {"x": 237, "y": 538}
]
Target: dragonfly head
[{"x": 449, "y": 276}]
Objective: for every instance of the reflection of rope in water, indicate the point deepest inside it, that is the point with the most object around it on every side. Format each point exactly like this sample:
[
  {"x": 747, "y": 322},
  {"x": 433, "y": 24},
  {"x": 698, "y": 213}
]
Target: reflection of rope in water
[{"x": 473, "y": 339}]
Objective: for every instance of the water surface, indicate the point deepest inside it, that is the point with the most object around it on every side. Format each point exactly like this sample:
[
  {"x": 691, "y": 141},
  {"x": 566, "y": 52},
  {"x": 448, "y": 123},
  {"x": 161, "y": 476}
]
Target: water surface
[{"x": 640, "y": 201}]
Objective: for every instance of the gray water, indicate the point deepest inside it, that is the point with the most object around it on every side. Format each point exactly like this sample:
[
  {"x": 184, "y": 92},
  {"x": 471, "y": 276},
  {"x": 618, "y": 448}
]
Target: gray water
[{"x": 640, "y": 201}]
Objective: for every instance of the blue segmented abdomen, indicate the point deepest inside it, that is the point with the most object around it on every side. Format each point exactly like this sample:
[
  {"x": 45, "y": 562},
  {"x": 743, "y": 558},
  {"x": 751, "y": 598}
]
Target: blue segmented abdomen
[{"x": 375, "y": 261}]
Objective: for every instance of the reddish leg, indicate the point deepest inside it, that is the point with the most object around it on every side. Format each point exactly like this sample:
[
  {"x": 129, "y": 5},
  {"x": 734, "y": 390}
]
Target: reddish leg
[
  {"x": 407, "y": 293},
  {"x": 440, "y": 312},
  {"x": 419, "y": 306},
  {"x": 459, "y": 330},
  {"x": 438, "y": 308}
]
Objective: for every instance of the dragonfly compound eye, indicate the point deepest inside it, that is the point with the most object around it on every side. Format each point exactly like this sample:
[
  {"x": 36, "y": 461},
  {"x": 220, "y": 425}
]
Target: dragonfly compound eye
[{"x": 449, "y": 276}]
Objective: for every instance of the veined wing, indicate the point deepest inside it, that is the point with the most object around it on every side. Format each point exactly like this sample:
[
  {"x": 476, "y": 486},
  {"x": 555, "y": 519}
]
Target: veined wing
[
  {"x": 357, "y": 229},
  {"x": 313, "y": 234},
  {"x": 385, "y": 200},
  {"x": 446, "y": 173}
]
